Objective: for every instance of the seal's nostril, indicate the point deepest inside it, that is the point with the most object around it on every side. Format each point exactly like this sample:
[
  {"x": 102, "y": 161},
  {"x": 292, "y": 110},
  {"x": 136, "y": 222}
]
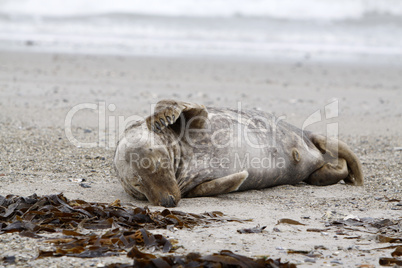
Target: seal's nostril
[{"x": 169, "y": 202}]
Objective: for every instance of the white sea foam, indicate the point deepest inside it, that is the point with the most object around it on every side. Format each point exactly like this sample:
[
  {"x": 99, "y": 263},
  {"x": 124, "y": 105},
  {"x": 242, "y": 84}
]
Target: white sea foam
[
  {"x": 207, "y": 26},
  {"x": 282, "y": 9}
]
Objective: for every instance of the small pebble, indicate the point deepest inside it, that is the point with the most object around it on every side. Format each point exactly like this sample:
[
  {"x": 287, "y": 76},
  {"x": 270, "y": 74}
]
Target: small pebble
[
  {"x": 9, "y": 259},
  {"x": 84, "y": 185},
  {"x": 309, "y": 260}
]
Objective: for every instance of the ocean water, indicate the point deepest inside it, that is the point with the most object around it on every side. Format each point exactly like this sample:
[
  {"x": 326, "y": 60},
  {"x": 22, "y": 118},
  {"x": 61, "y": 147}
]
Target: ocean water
[{"x": 239, "y": 27}]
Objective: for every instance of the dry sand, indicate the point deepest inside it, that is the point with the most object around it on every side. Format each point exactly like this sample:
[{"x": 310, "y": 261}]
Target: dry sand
[{"x": 37, "y": 91}]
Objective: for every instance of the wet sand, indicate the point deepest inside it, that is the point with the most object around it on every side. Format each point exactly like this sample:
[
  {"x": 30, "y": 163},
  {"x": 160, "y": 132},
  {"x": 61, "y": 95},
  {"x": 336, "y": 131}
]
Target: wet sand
[{"x": 38, "y": 90}]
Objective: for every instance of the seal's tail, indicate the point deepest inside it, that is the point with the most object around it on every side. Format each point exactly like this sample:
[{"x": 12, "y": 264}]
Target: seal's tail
[{"x": 339, "y": 149}]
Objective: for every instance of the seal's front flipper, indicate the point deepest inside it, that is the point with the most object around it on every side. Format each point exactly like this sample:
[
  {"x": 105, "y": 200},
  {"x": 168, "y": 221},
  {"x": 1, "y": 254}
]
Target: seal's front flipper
[
  {"x": 222, "y": 185},
  {"x": 171, "y": 112}
]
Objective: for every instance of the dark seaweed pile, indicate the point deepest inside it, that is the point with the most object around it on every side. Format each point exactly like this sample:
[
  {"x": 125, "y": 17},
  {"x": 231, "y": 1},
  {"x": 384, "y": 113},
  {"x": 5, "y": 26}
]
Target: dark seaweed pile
[
  {"x": 386, "y": 230},
  {"x": 225, "y": 258},
  {"x": 78, "y": 222}
]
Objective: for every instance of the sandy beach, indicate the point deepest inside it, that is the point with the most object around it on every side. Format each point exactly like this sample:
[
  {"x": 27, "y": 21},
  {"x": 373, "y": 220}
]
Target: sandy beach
[{"x": 39, "y": 90}]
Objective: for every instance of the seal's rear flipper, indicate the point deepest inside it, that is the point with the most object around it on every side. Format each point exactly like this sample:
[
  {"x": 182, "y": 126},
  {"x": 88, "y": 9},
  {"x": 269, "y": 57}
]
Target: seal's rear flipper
[
  {"x": 222, "y": 185},
  {"x": 330, "y": 173},
  {"x": 343, "y": 156},
  {"x": 171, "y": 112}
]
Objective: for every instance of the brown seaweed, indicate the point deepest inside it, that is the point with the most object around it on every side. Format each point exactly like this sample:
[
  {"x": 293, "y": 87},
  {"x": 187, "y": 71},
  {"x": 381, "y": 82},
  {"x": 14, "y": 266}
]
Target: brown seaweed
[
  {"x": 372, "y": 226},
  {"x": 225, "y": 258},
  {"x": 317, "y": 230},
  {"x": 387, "y": 239},
  {"x": 390, "y": 261},
  {"x": 290, "y": 221},
  {"x": 394, "y": 261},
  {"x": 397, "y": 252},
  {"x": 76, "y": 221}
]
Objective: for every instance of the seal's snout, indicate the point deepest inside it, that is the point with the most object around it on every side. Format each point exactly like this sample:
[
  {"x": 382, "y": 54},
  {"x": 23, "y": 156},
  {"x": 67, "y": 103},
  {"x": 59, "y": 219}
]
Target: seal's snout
[{"x": 168, "y": 202}]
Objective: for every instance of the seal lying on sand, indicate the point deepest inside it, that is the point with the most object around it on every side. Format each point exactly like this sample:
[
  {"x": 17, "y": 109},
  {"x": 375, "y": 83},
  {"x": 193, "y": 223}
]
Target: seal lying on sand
[{"x": 187, "y": 150}]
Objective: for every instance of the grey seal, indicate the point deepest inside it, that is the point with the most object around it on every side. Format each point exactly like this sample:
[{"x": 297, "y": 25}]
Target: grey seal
[{"x": 186, "y": 150}]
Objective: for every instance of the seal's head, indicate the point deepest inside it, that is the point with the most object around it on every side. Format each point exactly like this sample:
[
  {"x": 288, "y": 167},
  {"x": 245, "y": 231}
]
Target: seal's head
[
  {"x": 147, "y": 171},
  {"x": 157, "y": 180}
]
